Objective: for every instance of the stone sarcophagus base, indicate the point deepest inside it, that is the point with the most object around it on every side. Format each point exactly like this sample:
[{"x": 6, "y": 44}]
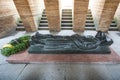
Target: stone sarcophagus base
[{"x": 55, "y": 44}]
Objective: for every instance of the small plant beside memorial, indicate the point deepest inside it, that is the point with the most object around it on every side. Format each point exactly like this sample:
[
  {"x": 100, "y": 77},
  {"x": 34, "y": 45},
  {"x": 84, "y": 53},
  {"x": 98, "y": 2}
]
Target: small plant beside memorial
[{"x": 15, "y": 45}]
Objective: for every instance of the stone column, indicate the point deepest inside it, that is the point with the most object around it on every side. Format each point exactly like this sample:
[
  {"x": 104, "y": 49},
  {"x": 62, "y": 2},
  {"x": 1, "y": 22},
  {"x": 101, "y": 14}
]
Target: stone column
[
  {"x": 107, "y": 14},
  {"x": 80, "y": 12},
  {"x": 53, "y": 14},
  {"x": 117, "y": 17},
  {"x": 96, "y": 7},
  {"x": 7, "y": 21},
  {"x": 24, "y": 10}
]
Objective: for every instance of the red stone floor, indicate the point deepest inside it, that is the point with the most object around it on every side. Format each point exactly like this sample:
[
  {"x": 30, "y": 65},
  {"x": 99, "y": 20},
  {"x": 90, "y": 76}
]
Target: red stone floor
[{"x": 25, "y": 57}]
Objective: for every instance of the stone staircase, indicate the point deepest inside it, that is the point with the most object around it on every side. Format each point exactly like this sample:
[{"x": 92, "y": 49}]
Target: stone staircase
[
  {"x": 113, "y": 25},
  {"x": 20, "y": 26},
  {"x": 66, "y": 22}
]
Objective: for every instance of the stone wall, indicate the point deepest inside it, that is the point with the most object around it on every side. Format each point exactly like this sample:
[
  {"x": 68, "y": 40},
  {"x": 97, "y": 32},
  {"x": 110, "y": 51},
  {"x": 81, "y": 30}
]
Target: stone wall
[{"x": 7, "y": 21}]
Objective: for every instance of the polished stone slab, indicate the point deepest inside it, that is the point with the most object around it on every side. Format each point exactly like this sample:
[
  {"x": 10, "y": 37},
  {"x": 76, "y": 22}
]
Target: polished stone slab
[{"x": 25, "y": 57}]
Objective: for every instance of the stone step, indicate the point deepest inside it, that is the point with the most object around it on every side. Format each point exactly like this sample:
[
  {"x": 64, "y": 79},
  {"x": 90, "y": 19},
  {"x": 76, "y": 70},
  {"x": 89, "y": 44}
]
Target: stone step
[
  {"x": 66, "y": 21},
  {"x": 70, "y": 21},
  {"x": 89, "y": 18},
  {"x": 63, "y": 21},
  {"x": 43, "y": 24},
  {"x": 70, "y": 24},
  {"x": 113, "y": 25},
  {"x": 43, "y": 28},
  {"x": 89, "y": 15},
  {"x": 62, "y": 28},
  {"x": 89, "y": 12},
  {"x": 63, "y": 13},
  {"x": 90, "y": 25},
  {"x": 20, "y": 21},
  {"x": 66, "y": 18},
  {"x": 66, "y": 15},
  {"x": 113, "y": 21},
  {"x": 19, "y": 24},
  {"x": 67, "y": 10},
  {"x": 113, "y": 28},
  {"x": 44, "y": 21},
  {"x": 65, "y": 24},
  {"x": 20, "y": 28},
  {"x": 44, "y": 18},
  {"x": 90, "y": 28},
  {"x": 88, "y": 21},
  {"x": 66, "y": 28}
]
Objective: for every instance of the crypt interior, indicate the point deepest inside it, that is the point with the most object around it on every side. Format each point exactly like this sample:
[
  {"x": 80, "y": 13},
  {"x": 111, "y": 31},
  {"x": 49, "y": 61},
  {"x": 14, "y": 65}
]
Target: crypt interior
[{"x": 60, "y": 17}]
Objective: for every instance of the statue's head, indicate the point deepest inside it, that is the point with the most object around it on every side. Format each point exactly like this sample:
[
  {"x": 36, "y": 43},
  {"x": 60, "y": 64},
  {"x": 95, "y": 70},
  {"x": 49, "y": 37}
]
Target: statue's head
[{"x": 100, "y": 35}]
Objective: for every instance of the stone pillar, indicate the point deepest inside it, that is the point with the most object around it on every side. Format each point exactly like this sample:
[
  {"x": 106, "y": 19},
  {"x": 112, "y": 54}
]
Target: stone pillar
[
  {"x": 26, "y": 15},
  {"x": 96, "y": 7},
  {"x": 117, "y": 17},
  {"x": 107, "y": 15},
  {"x": 7, "y": 21},
  {"x": 37, "y": 7},
  {"x": 80, "y": 12},
  {"x": 53, "y": 14}
]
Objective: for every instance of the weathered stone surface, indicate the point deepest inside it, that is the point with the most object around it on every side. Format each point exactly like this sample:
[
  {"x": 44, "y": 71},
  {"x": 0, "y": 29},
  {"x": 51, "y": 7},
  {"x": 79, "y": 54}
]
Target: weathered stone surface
[
  {"x": 53, "y": 14},
  {"x": 107, "y": 15},
  {"x": 103, "y": 12},
  {"x": 43, "y": 72},
  {"x": 7, "y": 21},
  {"x": 11, "y": 71},
  {"x": 7, "y": 25},
  {"x": 87, "y": 72},
  {"x": 80, "y": 11},
  {"x": 96, "y": 8},
  {"x": 24, "y": 10}
]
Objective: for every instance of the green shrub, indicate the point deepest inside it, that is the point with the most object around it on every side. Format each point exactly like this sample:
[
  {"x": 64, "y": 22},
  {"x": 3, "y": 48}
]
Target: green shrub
[
  {"x": 7, "y": 51},
  {"x": 16, "y": 45}
]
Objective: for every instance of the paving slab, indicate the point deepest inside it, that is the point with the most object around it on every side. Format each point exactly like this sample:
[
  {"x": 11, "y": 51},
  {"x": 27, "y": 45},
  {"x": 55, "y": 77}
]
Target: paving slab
[
  {"x": 10, "y": 71},
  {"x": 87, "y": 72},
  {"x": 114, "y": 70},
  {"x": 45, "y": 71}
]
